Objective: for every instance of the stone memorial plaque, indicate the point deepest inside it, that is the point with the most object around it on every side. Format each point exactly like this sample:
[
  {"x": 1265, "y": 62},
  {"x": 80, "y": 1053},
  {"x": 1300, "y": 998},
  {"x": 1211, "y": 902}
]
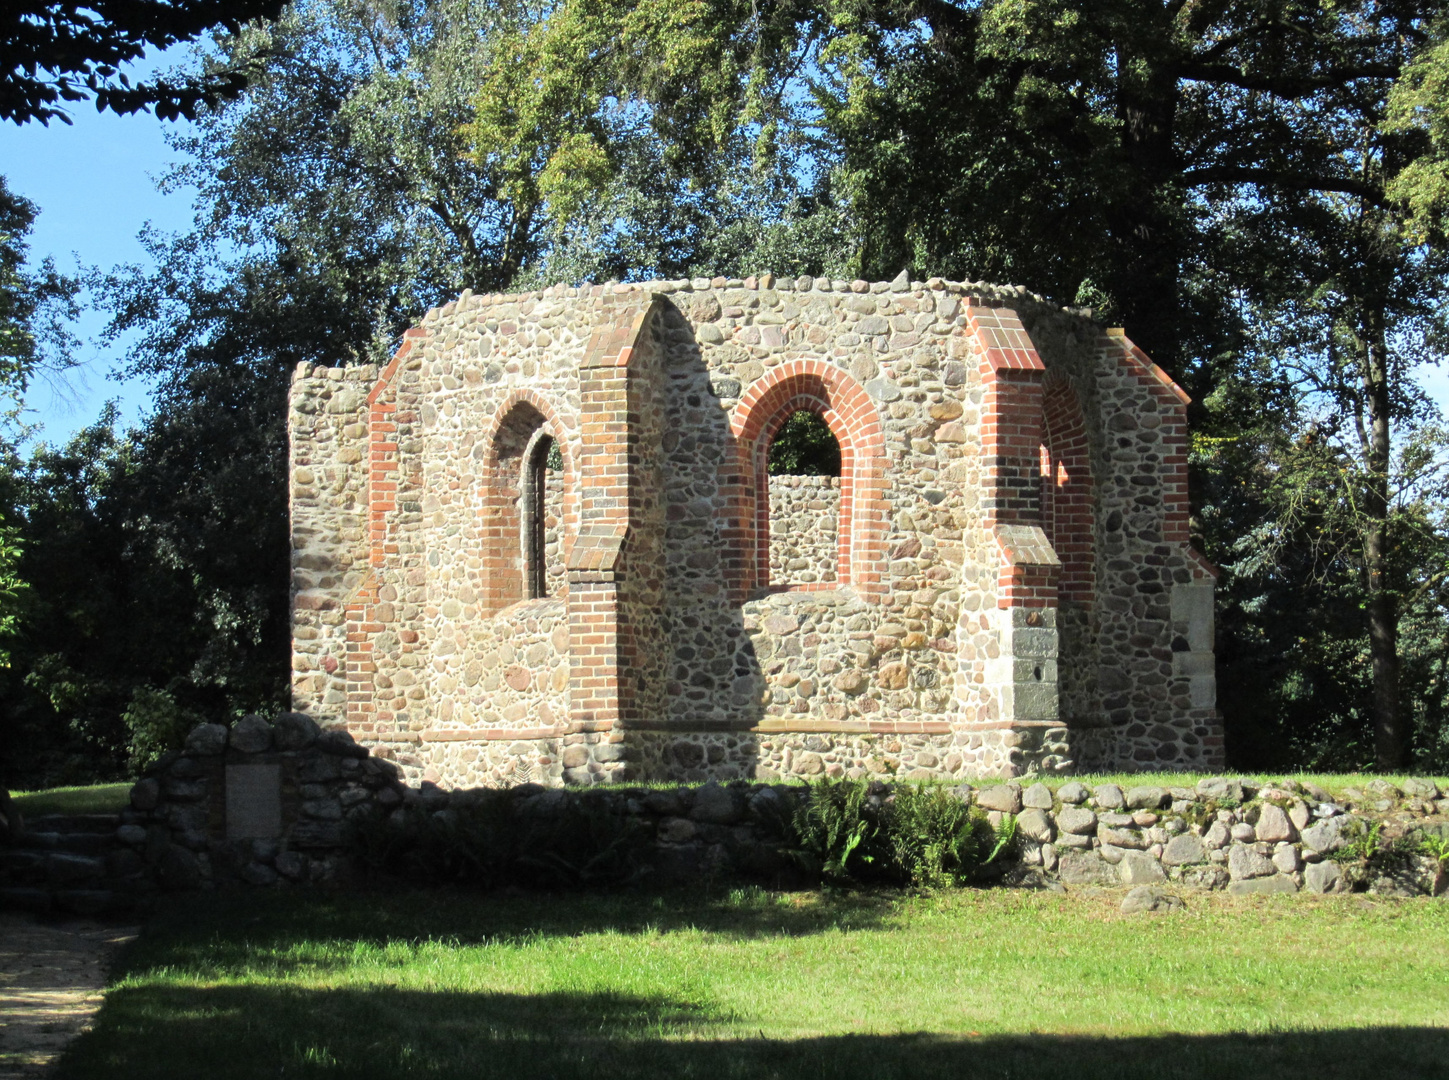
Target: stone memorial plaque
[{"x": 253, "y": 801}]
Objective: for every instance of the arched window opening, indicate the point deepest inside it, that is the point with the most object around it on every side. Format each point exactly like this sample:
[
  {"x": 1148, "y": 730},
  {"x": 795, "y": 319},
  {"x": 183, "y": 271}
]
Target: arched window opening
[
  {"x": 526, "y": 509},
  {"x": 542, "y": 514},
  {"x": 804, "y": 483}
]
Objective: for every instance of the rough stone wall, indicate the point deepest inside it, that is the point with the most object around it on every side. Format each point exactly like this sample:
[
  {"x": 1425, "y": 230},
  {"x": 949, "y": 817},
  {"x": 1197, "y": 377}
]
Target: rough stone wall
[
  {"x": 190, "y": 825},
  {"x": 804, "y": 529},
  {"x": 953, "y": 641}
]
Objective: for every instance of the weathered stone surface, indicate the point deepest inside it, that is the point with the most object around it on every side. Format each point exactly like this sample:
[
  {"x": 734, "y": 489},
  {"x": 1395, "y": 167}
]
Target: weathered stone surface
[
  {"x": 1073, "y": 792},
  {"x": 206, "y": 740},
  {"x": 1038, "y": 796},
  {"x": 1085, "y": 868},
  {"x": 677, "y": 831},
  {"x": 1278, "y": 883},
  {"x": 179, "y": 869},
  {"x": 1077, "y": 819},
  {"x": 1285, "y": 858},
  {"x": 1326, "y": 836},
  {"x": 146, "y": 793},
  {"x": 1217, "y": 836},
  {"x": 1034, "y": 824},
  {"x": 1273, "y": 824},
  {"x": 1004, "y": 797},
  {"x": 1244, "y": 863},
  {"x": 1184, "y": 850},
  {"x": 1122, "y": 838},
  {"x": 1145, "y": 898},
  {"x": 1109, "y": 797},
  {"x": 1138, "y": 868},
  {"x": 717, "y": 805},
  {"x": 1421, "y": 788},
  {"x": 339, "y": 741},
  {"x": 1382, "y": 789},
  {"x": 1243, "y": 833},
  {"x": 1221, "y": 789},
  {"x": 1146, "y": 798},
  {"x": 1323, "y": 877},
  {"x": 294, "y": 731},
  {"x": 1205, "y": 877},
  {"x": 251, "y": 735}
]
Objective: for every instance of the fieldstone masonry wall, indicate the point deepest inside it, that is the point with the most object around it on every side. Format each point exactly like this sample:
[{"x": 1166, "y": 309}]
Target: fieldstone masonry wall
[
  {"x": 274, "y": 804},
  {"x": 804, "y": 529},
  {"x": 1010, "y": 587}
]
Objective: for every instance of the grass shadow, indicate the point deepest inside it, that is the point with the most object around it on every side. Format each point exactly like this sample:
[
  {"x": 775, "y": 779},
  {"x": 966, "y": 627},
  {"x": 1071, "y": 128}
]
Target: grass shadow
[{"x": 244, "y": 1032}]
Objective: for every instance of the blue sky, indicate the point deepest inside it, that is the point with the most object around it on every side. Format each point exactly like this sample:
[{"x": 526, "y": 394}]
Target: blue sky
[{"x": 95, "y": 184}]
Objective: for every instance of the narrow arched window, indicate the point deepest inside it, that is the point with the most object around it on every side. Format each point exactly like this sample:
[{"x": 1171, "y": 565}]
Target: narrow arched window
[
  {"x": 542, "y": 517},
  {"x": 804, "y": 494}
]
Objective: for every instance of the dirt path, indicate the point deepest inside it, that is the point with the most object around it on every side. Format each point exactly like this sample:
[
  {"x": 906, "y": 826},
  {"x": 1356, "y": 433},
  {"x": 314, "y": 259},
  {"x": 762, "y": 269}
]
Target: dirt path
[{"x": 51, "y": 975}]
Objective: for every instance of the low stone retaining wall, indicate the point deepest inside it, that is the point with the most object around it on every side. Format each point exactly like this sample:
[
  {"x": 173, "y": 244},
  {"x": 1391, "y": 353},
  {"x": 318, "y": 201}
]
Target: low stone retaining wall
[{"x": 270, "y": 804}]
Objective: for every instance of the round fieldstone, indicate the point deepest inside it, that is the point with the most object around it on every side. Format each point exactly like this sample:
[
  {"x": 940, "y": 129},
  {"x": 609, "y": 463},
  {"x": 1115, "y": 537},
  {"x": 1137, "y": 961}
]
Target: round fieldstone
[
  {"x": 295, "y": 731},
  {"x": 1038, "y": 796},
  {"x": 206, "y": 740},
  {"x": 1073, "y": 792},
  {"x": 1077, "y": 819},
  {"x": 251, "y": 735},
  {"x": 1145, "y": 898},
  {"x": 1109, "y": 797},
  {"x": 1004, "y": 798}
]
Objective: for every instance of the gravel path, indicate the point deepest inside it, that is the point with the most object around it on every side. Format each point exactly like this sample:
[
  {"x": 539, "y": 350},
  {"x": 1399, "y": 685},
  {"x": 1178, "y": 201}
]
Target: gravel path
[{"x": 51, "y": 976}]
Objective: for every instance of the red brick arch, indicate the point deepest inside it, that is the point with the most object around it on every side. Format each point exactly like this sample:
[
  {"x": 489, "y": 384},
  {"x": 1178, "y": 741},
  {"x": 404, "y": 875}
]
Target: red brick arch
[
  {"x": 814, "y": 386},
  {"x": 519, "y": 417},
  {"x": 1066, "y": 492}
]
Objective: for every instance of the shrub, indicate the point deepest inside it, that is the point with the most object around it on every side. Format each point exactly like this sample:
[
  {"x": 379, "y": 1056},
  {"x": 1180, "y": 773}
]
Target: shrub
[
  {"x": 922, "y": 834},
  {"x": 836, "y": 834}
]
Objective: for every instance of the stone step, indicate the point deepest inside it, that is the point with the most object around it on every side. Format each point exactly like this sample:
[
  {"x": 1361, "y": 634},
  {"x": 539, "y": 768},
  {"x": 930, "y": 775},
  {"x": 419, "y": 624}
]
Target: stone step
[
  {"x": 81, "y": 843},
  {"x": 74, "y": 823},
  {"x": 89, "y": 901},
  {"x": 62, "y": 868},
  {"x": 23, "y": 867},
  {"x": 26, "y": 899}
]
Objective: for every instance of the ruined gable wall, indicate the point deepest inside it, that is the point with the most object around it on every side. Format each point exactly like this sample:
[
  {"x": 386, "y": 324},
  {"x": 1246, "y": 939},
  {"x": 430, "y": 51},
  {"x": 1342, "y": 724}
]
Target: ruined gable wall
[
  {"x": 327, "y": 445},
  {"x": 891, "y": 670}
]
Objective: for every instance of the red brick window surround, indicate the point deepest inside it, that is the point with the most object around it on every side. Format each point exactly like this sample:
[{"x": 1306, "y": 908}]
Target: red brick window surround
[
  {"x": 845, "y": 407},
  {"x": 1066, "y": 490},
  {"x": 517, "y": 563}
]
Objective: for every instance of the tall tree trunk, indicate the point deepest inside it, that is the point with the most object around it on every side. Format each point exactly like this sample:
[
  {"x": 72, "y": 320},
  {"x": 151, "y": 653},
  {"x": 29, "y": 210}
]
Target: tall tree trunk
[
  {"x": 1390, "y": 742},
  {"x": 1142, "y": 218}
]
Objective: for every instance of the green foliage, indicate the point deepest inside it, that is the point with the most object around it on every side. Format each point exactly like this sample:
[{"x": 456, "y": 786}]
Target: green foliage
[
  {"x": 851, "y": 831},
  {"x": 52, "y": 54},
  {"x": 939, "y": 839},
  {"x": 804, "y": 446},
  {"x": 836, "y": 834},
  {"x": 157, "y": 725}
]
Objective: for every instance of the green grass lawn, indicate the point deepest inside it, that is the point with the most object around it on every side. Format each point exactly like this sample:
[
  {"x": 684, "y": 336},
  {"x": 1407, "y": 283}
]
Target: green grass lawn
[
  {"x": 94, "y": 799},
  {"x": 971, "y": 983}
]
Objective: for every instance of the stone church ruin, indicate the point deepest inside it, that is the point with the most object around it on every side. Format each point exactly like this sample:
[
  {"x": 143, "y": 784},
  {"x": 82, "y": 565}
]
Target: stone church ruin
[{"x": 544, "y": 543}]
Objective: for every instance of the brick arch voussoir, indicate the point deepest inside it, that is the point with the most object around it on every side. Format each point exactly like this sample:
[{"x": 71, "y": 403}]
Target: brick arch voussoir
[
  {"x": 853, "y": 419},
  {"x": 544, "y": 408},
  {"x": 502, "y": 583}
]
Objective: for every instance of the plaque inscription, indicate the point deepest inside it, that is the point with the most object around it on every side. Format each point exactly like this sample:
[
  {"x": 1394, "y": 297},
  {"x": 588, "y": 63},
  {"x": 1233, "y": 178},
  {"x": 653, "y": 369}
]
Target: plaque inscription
[{"x": 253, "y": 802}]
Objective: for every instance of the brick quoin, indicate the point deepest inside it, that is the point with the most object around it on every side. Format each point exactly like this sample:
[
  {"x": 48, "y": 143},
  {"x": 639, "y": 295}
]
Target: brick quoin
[
  {"x": 840, "y": 401},
  {"x": 1067, "y": 513},
  {"x": 1011, "y": 439}
]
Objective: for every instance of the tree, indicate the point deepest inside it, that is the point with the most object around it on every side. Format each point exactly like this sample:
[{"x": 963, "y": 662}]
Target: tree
[{"x": 57, "y": 51}]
